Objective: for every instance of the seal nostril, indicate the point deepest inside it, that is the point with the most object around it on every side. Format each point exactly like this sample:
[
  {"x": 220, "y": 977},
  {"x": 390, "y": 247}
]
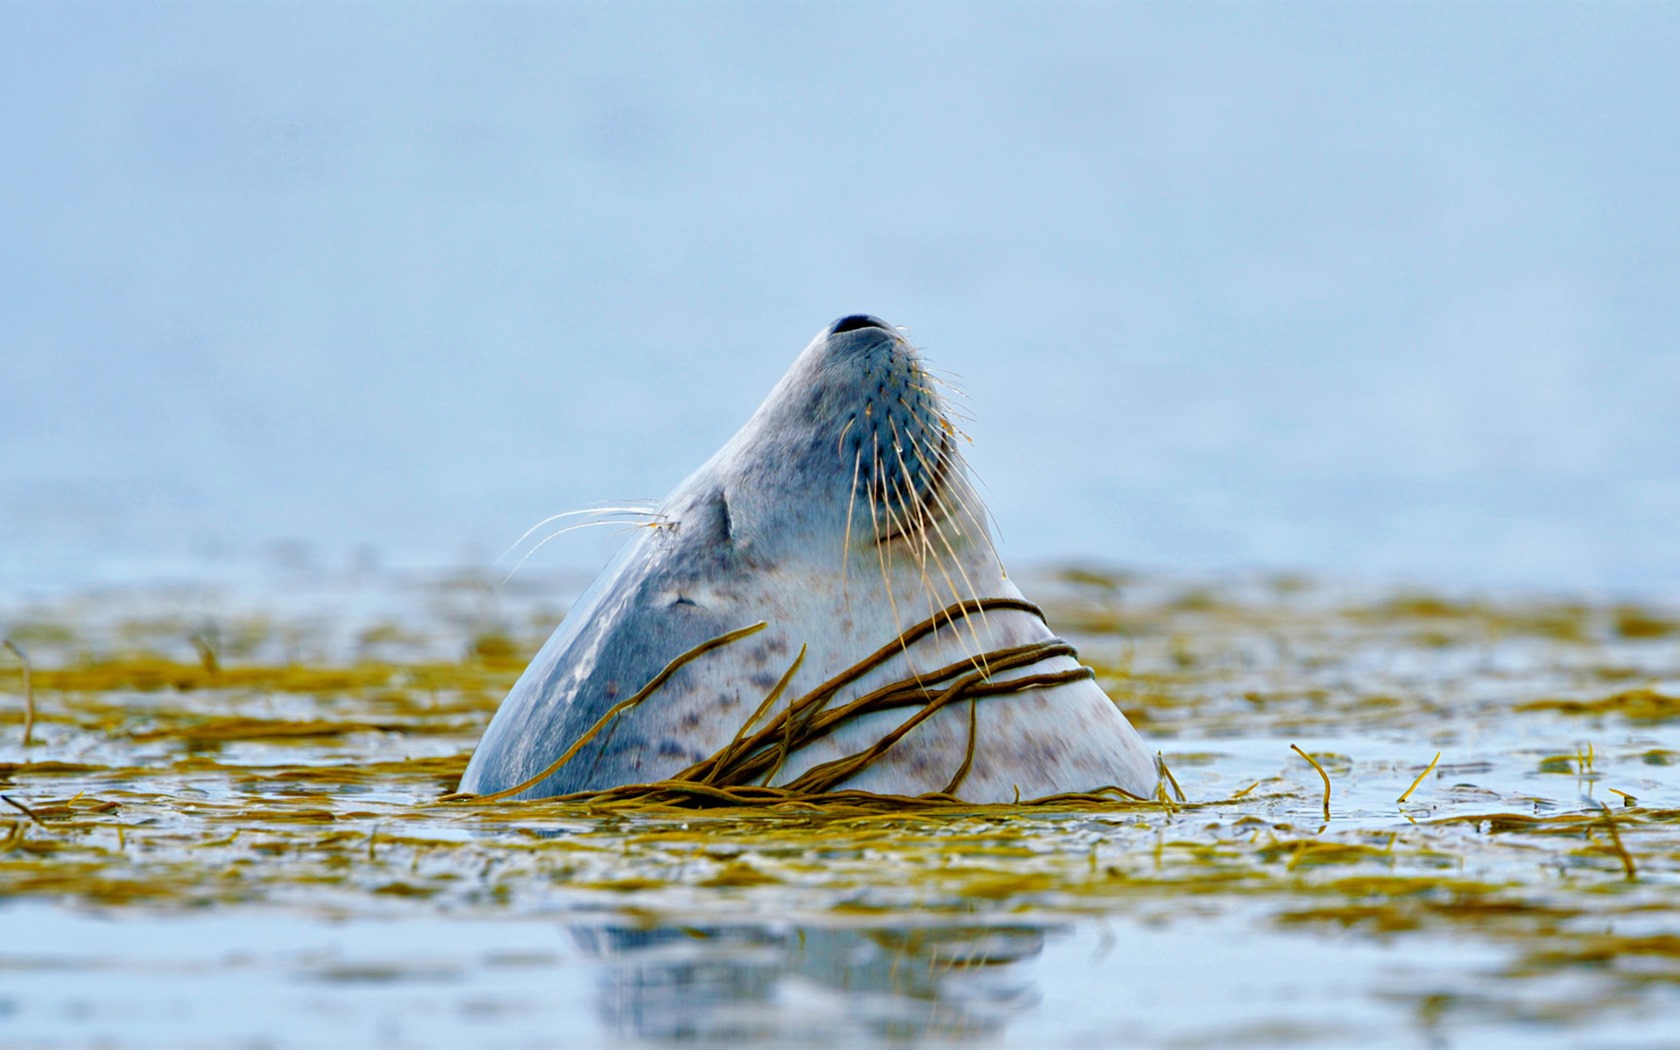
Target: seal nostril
[{"x": 853, "y": 322}]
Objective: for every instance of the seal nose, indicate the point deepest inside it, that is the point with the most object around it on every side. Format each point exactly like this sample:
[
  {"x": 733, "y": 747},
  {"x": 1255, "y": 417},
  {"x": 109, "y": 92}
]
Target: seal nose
[{"x": 853, "y": 322}]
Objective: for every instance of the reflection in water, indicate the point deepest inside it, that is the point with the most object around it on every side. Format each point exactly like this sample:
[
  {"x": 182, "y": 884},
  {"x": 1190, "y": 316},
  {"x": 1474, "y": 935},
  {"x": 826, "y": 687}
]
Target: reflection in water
[{"x": 727, "y": 983}]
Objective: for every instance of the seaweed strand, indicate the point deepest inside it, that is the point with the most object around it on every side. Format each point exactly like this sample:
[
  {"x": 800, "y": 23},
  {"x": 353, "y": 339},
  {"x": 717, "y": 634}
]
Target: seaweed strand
[{"x": 624, "y": 705}]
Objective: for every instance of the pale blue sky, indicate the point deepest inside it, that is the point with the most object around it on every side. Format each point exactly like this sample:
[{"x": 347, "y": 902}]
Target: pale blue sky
[{"x": 1386, "y": 291}]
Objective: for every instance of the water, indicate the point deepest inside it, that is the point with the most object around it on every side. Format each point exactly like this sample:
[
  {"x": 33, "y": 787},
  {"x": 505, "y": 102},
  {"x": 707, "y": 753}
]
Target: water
[
  {"x": 250, "y": 856},
  {"x": 1353, "y": 328},
  {"x": 267, "y": 980},
  {"x": 1377, "y": 292}
]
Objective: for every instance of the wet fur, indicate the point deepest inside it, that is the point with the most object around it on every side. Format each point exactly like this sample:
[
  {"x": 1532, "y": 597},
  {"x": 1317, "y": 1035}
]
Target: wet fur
[{"x": 840, "y": 514}]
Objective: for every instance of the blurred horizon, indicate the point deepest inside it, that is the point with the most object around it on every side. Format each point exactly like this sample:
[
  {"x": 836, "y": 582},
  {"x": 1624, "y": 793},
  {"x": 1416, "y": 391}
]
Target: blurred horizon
[{"x": 1376, "y": 292}]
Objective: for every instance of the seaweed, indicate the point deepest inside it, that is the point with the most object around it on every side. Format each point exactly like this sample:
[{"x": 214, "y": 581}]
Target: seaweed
[
  {"x": 247, "y": 770},
  {"x": 728, "y": 776}
]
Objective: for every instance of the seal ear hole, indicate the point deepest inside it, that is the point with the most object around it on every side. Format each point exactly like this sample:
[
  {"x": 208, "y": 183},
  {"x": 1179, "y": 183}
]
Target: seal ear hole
[{"x": 683, "y": 599}]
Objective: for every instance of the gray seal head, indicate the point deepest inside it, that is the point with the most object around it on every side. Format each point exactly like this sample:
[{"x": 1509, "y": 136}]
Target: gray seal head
[{"x": 840, "y": 515}]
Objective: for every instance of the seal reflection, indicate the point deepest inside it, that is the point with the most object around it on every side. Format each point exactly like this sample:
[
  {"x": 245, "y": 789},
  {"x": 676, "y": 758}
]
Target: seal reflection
[{"x": 720, "y": 984}]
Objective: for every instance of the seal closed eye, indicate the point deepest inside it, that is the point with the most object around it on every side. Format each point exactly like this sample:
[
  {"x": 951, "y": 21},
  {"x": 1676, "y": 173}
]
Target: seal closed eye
[
  {"x": 850, "y": 558},
  {"x": 725, "y": 525}
]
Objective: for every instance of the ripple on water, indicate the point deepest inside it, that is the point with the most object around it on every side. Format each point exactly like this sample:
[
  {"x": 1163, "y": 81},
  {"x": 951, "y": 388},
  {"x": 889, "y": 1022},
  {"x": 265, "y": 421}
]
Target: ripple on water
[{"x": 228, "y": 812}]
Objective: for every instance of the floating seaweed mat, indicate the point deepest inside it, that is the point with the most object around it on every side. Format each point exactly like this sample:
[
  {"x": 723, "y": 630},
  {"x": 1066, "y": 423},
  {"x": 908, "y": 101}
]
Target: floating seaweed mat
[
  {"x": 437, "y": 767},
  {"x": 688, "y": 795},
  {"x": 228, "y": 729},
  {"x": 1588, "y": 825},
  {"x": 1637, "y": 705},
  {"x": 727, "y": 777},
  {"x": 1560, "y": 823},
  {"x": 11, "y": 770},
  {"x": 149, "y": 674}
]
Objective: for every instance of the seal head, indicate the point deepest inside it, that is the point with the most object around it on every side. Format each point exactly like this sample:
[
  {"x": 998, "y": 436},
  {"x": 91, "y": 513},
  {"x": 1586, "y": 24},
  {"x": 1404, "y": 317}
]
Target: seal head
[{"x": 839, "y": 515}]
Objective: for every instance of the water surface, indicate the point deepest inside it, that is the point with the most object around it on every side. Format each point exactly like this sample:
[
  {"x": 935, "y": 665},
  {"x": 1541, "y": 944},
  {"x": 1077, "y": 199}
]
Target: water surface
[{"x": 231, "y": 840}]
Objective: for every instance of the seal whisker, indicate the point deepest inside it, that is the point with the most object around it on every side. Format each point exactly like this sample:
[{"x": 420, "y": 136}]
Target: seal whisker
[
  {"x": 909, "y": 519},
  {"x": 952, "y": 468},
  {"x": 951, "y": 585},
  {"x": 943, "y": 411},
  {"x": 946, "y": 407},
  {"x": 914, "y": 531},
  {"x": 909, "y": 513},
  {"x": 922, "y": 533},
  {"x": 846, "y": 541},
  {"x": 924, "y": 528},
  {"x": 841, "y": 440},
  {"x": 953, "y": 399},
  {"x": 945, "y": 377},
  {"x": 645, "y": 512},
  {"x": 940, "y": 494},
  {"x": 887, "y": 482},
  {"x": 963, "y": 472},
  {"x": 880, "y": 552},
  {"x": 975, "y": 479},
  {"x": 928, "y": 504},
  {"x": 572, "y": 528}
]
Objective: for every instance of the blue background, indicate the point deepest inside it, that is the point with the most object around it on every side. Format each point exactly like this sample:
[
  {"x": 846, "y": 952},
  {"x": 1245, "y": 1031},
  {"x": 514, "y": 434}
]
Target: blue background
[{"x": 1381, "y": 292}]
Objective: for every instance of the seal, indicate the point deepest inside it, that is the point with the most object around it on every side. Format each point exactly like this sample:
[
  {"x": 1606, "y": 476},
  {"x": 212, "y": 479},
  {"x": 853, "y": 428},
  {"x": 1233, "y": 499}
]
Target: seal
[{"x": 841, "y": 515}]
